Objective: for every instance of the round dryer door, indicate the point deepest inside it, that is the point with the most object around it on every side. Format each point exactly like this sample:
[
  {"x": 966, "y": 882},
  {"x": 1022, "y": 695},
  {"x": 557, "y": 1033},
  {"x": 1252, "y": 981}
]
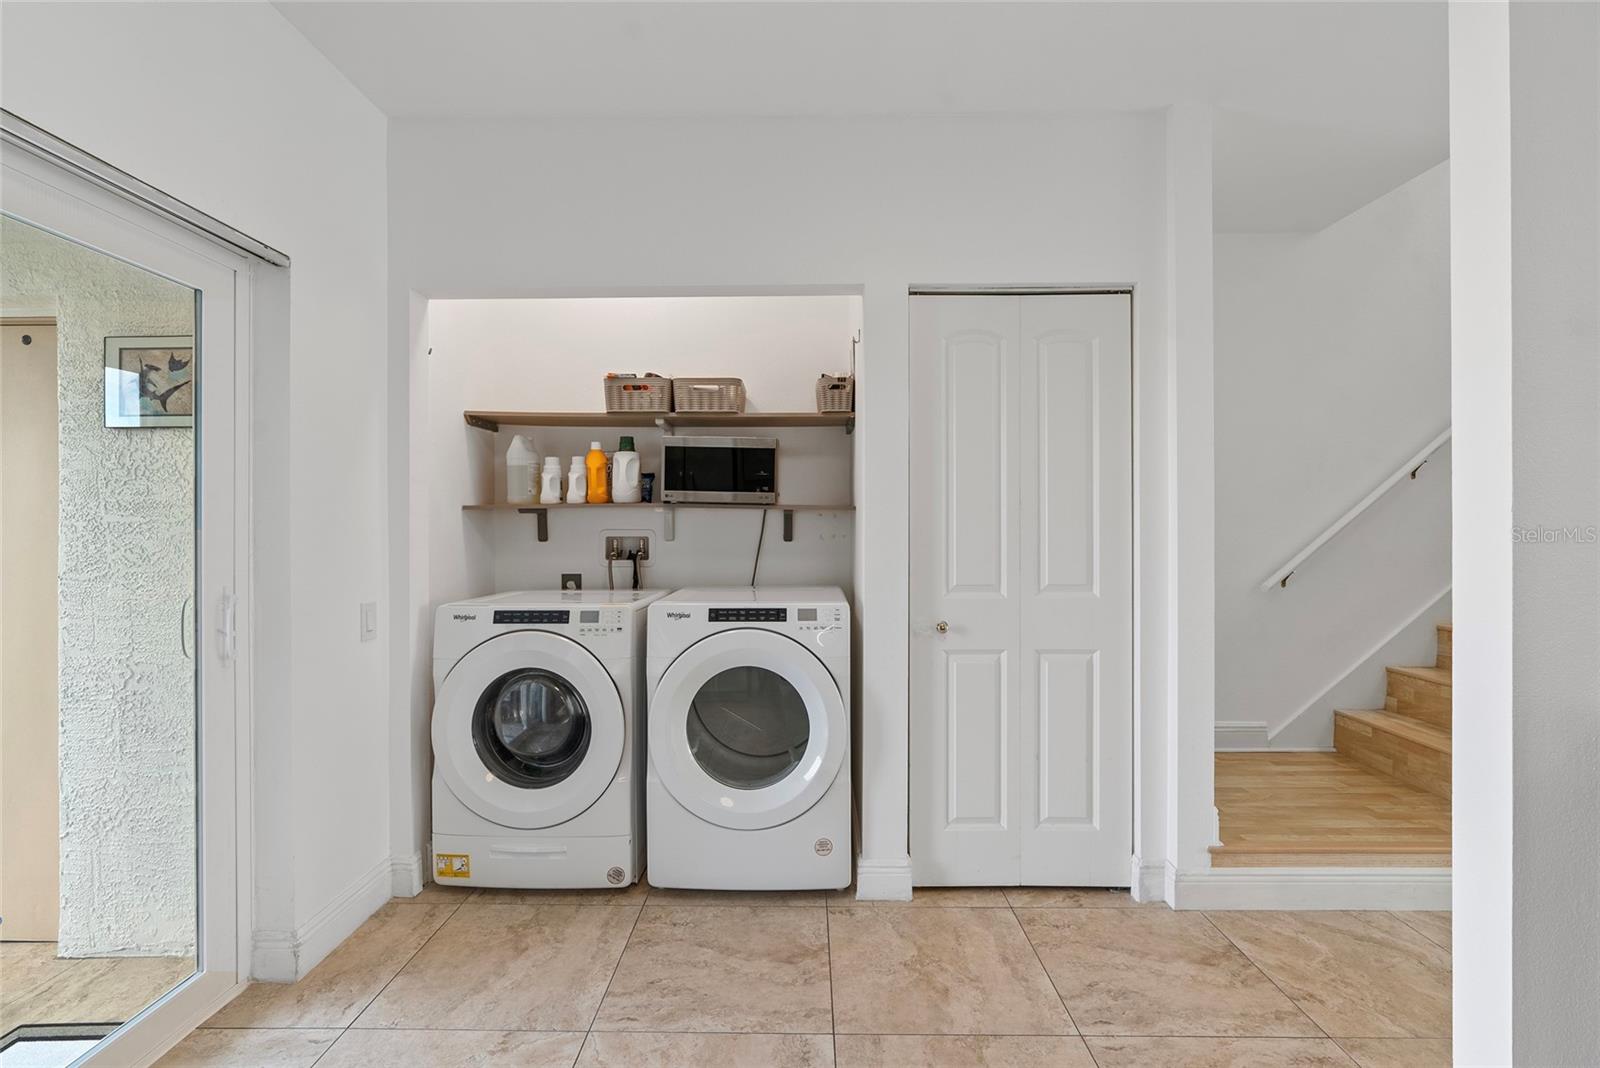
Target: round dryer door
[
  {"x": 747, "y": 729},
  {"x": 528, "y": 729}
]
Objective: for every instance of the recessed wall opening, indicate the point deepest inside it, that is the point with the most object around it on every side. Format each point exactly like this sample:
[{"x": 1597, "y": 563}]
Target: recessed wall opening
[{"x": 524, "y": 360}]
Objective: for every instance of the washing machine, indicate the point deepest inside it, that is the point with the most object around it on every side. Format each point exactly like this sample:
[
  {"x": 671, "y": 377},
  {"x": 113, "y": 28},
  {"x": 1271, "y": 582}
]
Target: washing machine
[
  {"x": 748, "y": 785},
  {"x": 538, "y": 739}
]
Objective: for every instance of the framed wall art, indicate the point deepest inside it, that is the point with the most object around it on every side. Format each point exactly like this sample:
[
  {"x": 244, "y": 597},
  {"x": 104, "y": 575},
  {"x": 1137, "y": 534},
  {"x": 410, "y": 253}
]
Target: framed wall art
[{"x": 149, "y": 381}]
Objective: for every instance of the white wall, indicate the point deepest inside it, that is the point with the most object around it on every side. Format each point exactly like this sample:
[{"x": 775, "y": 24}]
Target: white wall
[
  {"x": 551, "y": 355},
  {"x": 232, "y": 111},
  {"x": 1480, "y": 546},
  {"x": 1525, "y": 270},
  {"x": 126, "y": 554},
  {"x": 1555, "y": 556},
  {"x": 875, "y": 206},
  {"x": 1332, "y": 368}
]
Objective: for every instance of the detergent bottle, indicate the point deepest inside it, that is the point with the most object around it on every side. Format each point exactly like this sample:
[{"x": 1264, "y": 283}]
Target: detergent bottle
[
  {"x": 595, "y": 464},
  {"x": 576, "y": 490},
  {"x": 550, "y": 481},
  {"x": 625, "y": 473},
  {"x": 521, "y": 471}
]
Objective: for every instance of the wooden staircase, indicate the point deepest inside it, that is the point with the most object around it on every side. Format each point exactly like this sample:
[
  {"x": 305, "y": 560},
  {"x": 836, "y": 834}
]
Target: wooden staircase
[
  {"x": 1409, "y": 737},
  {"x": 1382, "y": 799}
]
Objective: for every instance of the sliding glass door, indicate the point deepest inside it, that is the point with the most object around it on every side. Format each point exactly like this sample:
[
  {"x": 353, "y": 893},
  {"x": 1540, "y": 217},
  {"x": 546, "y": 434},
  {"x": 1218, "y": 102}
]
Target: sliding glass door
[{"x": 121, "y": 688}]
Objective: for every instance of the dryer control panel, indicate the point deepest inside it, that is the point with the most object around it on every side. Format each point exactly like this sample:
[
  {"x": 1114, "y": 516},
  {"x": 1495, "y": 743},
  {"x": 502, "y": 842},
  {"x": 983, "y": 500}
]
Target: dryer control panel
[{"x": 747, "y": 615}]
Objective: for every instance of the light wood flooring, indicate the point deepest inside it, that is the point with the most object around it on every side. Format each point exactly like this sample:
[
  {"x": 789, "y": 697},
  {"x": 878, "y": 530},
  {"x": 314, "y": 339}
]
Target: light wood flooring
[{"x": 1324, "y": 809}]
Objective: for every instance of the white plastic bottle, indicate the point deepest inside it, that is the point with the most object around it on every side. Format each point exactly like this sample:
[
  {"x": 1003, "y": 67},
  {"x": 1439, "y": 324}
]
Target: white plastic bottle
[
  {"x": 625, "y": 473},
  {"x": 522, "y": 471},
  {"x": 550, "y": 481},
  {"x": 577, "y": 482}
]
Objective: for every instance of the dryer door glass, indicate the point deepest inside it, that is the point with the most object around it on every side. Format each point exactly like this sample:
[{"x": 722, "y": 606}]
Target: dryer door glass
[
  {"x": 748, "y": 727},
  {"x": 531, "y": 728}
]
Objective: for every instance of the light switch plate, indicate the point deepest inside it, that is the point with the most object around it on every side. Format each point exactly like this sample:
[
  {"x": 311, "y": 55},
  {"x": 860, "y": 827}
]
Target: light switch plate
[{"x": 369, "y": 621}]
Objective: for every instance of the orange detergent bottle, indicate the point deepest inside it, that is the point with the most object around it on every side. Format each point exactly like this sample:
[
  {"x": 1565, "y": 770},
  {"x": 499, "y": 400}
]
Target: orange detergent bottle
[{"x": 595, "y": 465}]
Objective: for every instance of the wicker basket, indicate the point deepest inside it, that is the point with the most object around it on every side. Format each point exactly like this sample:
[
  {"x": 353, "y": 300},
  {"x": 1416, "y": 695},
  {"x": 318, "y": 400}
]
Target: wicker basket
[
  {"x": 626, "y": 393},
  {"x": 708, "y": 394},
  {"x": 836, "y": 393}
]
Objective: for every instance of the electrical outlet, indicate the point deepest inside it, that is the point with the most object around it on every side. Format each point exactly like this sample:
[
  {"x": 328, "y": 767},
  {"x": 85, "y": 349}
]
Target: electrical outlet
[
  {"x": 571, "y": 581},
  {"x": 618, "y": 546}
]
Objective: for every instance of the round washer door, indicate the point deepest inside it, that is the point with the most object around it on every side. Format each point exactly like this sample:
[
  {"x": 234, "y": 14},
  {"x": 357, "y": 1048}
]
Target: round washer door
[
  {"x": 528, "y": 729},
  {"x": 747, "y": 729}
]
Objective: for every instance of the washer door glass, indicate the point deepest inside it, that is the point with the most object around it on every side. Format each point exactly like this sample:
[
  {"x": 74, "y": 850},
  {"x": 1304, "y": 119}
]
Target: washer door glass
[
  {"x": 748, "y": 727},
  {"x": 531, "y": 728}
]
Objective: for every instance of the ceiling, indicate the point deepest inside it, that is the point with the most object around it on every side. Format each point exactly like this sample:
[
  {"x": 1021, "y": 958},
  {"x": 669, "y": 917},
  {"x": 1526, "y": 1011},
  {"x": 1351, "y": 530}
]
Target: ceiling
[{"x": 1321, "y": 106}]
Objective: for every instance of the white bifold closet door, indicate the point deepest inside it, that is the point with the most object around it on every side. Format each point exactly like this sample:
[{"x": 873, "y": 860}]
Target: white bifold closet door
[{"x": 1022, "y": 590}]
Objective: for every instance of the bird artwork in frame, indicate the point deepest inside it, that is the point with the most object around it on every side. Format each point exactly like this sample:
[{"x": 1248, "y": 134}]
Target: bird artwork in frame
[{"x": 150, "y": 381}]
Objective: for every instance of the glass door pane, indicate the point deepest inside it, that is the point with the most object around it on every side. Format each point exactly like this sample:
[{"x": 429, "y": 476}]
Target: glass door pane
[{"x": 98, "y": 814}]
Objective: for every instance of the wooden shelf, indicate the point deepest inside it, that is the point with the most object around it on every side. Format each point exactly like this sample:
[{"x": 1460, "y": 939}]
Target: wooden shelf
[
  {"x": 781, "y": 506},
  {"x": 541, "y": 512},
  {"x": 485, "y": 420}
]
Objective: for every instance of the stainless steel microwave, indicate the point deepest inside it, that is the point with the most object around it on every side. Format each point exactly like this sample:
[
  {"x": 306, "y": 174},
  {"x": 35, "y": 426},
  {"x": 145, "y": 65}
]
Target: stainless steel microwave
[{"x": 710, "y": 470}]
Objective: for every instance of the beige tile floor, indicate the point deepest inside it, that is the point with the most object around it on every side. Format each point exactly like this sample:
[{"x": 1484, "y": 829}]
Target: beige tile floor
[
  {"x": 37, "y": 987},
  {"x": 1071, "y": 978}
]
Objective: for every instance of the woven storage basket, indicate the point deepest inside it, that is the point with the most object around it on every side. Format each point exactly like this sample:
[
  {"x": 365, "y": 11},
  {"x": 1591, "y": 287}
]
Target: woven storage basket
[
  {"x": 708, "y": 394},
  {"x": 836, "y": 393},
  {"x": 628, "y": 394}
]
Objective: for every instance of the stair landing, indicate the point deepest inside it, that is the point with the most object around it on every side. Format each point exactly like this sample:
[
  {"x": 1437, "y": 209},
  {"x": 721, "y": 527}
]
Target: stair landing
[{"x": 1324, "y": 810}]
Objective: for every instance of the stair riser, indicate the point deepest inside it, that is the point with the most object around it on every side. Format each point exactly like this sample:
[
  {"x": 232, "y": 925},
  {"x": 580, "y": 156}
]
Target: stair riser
[
  {"x": 1413, "y": 764},
  {"x": 1442, "y": 660},
  {"x": 1411, "y": 696}
]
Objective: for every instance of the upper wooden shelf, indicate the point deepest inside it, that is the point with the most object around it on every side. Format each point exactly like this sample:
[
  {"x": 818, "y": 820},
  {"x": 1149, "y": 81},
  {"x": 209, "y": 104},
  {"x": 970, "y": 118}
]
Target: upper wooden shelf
[{"x": 496, "y": 420}]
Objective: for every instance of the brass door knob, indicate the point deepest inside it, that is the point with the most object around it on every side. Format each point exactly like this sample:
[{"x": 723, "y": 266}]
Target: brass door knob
[{"x": 942, "y": 627}]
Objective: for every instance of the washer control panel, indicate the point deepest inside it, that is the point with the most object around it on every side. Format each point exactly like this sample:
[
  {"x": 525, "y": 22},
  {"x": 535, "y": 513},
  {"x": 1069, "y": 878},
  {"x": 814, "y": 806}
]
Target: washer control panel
[
  {"x": 597, "y": 621},
  {"x": 586, "y": 622},
  {"x": 532, "y": 618}
]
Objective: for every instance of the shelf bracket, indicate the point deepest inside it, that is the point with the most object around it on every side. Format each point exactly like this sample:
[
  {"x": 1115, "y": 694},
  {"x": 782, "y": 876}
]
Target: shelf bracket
[
  {"x": 850, "y": 425},
  {"x": 663, "y": 424},
  {"x": 481, "y": 423},
  {"x": 668, "y": 521},
  {"x": 788, "y": 524},
  {"x": 543, "y": 516}
]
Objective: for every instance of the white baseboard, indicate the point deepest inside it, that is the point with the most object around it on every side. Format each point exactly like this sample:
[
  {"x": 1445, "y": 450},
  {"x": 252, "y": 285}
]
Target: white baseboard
[
  {"x": 1238, "y": 735},
  {"x": 285, "y": 956},
  {"x": 1404, "y": 889},
  {"x": 1148, "y": 881},
  {"x": 883, "y": 880},
  {"x": 405, "y": 876}
]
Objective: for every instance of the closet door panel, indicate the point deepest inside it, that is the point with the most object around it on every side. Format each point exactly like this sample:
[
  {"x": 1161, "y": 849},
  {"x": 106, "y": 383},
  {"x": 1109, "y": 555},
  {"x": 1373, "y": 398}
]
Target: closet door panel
[
  {"x": 965, "y": 674},
  {"x": 1076, "y": 604}
]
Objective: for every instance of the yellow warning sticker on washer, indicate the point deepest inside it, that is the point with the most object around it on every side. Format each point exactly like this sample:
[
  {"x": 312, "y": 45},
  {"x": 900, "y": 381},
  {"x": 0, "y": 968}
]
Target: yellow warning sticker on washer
[{"x": 452, "y": 865}]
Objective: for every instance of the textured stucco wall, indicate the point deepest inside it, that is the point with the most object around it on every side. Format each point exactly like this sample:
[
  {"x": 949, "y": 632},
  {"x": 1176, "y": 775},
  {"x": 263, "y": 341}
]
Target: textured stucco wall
[{"x": 126, "y": 566}]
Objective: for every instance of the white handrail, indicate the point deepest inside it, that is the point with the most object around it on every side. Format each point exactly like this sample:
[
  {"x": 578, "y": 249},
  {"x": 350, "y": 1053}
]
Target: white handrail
[{"x": 1280, "y": 577}]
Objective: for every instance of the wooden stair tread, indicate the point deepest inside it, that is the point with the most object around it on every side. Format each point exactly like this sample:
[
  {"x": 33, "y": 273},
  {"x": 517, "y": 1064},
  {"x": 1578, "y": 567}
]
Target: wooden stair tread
[
  {"x": 1324, "y": 810},
  {"x": 1438, "y": 676},
  {"x": 1407, "y": 727}
]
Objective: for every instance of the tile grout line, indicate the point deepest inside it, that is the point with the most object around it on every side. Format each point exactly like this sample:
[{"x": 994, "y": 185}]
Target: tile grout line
[
  {"x": 1450, "y": 949},
  {"x": 431, "y": 936},
  {"x": 626, "y": 942},
  {"x": 1048, "y": 977},
  {"x": 833, "y": 1015},
  {"x": 1265, "y": 975}
]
